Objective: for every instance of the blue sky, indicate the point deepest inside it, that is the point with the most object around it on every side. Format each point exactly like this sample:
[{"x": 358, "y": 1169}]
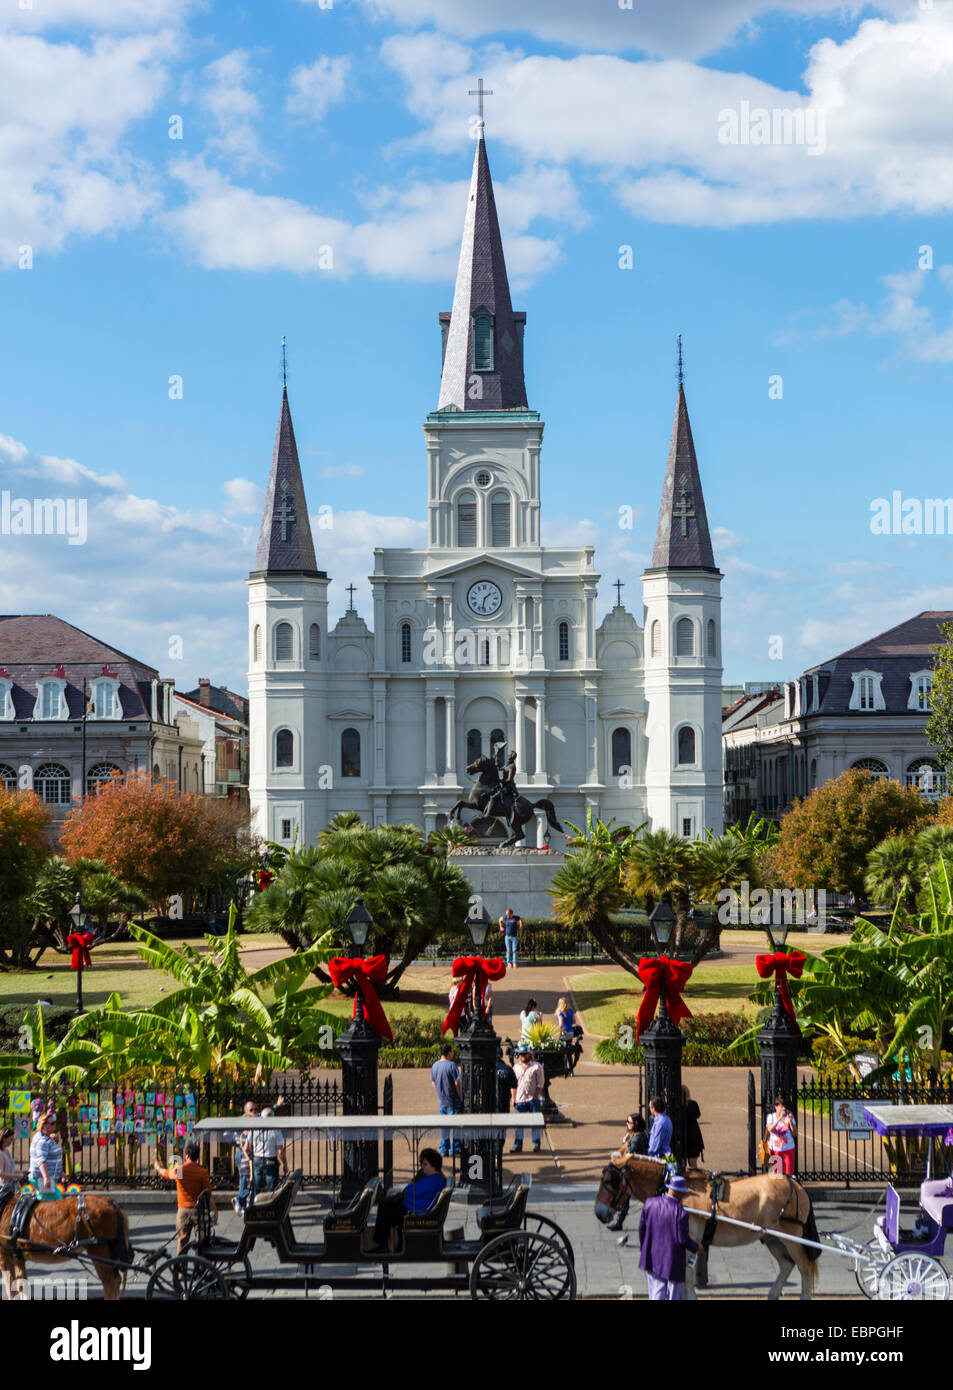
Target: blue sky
[{"x": 346, "y": 127}]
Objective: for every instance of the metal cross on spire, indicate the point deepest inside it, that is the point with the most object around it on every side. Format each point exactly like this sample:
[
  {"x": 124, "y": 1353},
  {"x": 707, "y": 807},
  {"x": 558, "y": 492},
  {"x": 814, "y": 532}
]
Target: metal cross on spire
[
  {"x": 284, "y": 363},
  {"x": 480, "y": 92},
  {"x": 681, "y": 369},
  {"x": 618, "y": 586},
  {"x": 350, "y": 596}
]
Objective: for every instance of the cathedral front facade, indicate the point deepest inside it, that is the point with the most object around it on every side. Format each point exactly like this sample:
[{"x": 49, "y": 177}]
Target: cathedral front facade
[{"x": 484, "y": 643}]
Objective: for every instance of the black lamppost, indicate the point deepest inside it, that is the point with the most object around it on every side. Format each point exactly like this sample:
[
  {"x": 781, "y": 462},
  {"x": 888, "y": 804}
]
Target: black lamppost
[
  {"x": 359, "y": 1046},
  {"x": 779, "y": 1041},
  {"x": 80, "y": 928},
  {"x": 478, "y": 1048},
  {"x": 662, "y": 1041}
]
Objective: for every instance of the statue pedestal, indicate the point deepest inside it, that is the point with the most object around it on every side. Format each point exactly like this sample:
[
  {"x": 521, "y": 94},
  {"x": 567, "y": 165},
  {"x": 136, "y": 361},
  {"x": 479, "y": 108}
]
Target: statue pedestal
[{"x": 519, "y": 879}]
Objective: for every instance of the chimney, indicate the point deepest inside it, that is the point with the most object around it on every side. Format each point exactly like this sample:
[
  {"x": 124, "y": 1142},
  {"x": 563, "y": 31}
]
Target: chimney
[{"x": 205, "y": 692}]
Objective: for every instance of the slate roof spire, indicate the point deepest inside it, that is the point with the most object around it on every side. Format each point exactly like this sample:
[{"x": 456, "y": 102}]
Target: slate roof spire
[
  {"x": 483, "y": 342},
  {"x": 284, "y": 543},
  {"x": 682, "y": 540}
]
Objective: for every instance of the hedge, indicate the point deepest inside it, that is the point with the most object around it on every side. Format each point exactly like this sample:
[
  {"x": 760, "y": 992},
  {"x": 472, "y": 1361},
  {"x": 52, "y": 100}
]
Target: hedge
[
  {"x": 708, "y": 1039},
  {"x": 56, "y": 1020}
]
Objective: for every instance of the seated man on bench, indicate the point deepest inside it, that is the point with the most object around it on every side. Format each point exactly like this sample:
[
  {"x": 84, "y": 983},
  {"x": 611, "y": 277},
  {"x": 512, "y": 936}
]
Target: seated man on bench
[{"x": 417, "y": 1197}]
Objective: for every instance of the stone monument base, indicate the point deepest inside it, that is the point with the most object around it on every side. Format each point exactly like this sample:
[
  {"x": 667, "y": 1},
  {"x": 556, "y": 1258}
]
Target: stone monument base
[{"x": 516, "y": 878}]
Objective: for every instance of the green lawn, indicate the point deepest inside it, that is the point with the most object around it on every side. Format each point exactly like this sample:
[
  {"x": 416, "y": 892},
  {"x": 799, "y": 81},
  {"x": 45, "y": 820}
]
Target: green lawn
[{"x": 605, "y": 998}]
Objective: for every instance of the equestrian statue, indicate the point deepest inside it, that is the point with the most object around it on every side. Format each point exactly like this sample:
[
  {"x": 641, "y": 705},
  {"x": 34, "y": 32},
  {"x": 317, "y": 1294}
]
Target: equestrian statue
[{"x": 497, "y": 797}]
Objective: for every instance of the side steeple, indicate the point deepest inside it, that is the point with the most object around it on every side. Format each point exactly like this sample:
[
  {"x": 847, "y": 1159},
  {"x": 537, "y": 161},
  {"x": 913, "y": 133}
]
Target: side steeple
[
  {"x": 682, "y": 540},
  {"x": 483, "y": 337},
  {"x": 285, "y": 545}
]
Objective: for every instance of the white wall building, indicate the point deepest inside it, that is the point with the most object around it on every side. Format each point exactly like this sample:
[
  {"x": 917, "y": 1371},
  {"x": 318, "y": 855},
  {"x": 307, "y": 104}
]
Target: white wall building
[{"x": 484, "y": 642}]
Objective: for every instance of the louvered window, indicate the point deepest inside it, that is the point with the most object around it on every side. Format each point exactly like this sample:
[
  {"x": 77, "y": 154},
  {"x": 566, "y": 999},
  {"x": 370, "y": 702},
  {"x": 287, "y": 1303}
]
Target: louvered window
[
  {"x": 314, "y": 643},
  {"x": 685, "y": 637},
  {"x": 711, "y": 637},
  {"x": 284, "y": 642},
  {"x": 466, "y": 522},
  {"x": 656, "y": 638},
  {"x": 500, "y": 520},
  {"x": 483, "y": 343},
  {"x": 284, "y": 748}
]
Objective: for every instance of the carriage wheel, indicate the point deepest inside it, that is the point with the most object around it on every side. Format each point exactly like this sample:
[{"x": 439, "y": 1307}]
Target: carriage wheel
[
  {"x": 868, "y": 1269},
  {"x": 522, "y": 1266},
  {"x": 186, "y": 1279},
  {"x": 239, "y": 1285},
  {"x": 913, "y": 1278},
  {"x": 542, "y": 1226}
]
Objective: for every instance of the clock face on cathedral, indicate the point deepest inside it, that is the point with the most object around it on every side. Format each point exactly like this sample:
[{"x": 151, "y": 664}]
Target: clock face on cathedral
[{"x": 484, "y": 598}]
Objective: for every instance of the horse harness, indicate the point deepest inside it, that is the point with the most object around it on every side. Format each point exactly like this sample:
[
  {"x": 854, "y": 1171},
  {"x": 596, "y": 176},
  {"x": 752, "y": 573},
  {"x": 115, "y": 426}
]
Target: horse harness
[
  {"x": 718, "y": 1188},
  {"x": 25, "y": 1210}
]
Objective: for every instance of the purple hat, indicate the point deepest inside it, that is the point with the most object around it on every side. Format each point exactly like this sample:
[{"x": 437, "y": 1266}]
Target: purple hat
[{"x": 677, "y": 1184}]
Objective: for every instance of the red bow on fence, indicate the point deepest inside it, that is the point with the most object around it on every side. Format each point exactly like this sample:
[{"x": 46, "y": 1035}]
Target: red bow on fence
[
  {"x": 781, "y": 964},
  {"x": 675, "y": 973},
  {"x": 471, "y": 969},
  {"x": 265, "y": 879},
  {"x": 80, "y": 943},
  {"x": 343, "y": 968}
]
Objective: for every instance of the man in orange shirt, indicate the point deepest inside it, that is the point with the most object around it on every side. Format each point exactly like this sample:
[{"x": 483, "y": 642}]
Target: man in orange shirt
[{"x": 189, "y": 1181}]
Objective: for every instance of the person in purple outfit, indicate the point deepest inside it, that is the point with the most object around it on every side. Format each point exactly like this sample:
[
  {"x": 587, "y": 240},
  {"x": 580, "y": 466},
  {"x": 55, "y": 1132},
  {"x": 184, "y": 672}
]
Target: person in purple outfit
[{"x": 664, "y": 1237}]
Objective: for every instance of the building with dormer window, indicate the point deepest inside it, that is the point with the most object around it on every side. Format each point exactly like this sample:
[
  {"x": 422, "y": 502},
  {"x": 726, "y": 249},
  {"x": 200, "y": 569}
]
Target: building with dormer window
[{"x": 484, "y": 642}]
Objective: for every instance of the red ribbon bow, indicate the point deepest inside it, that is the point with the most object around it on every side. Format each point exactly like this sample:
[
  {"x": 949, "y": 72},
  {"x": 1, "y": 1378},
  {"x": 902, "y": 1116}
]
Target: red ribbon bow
[
  {"x": 343, "y": 968},
  {"x": 653, "y": 970},
  {"x": 469, "y": 969},
  {"x": 265, "y": 879},
  {"x": 80, "y": 943},
  {"x": 781, "y": 964}
]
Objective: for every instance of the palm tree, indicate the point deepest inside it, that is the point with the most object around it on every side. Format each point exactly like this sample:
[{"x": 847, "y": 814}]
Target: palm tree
[
  {"x": 660, "y": 865},
  {"x": 585, "y": 891},
  {"x": 894, "y": 871}
]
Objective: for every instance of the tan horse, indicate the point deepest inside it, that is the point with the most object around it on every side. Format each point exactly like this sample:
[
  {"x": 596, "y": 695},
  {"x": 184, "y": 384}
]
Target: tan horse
[
  {"x": 766, "y": 1200},
  {"x": 95, "y": 1223}
]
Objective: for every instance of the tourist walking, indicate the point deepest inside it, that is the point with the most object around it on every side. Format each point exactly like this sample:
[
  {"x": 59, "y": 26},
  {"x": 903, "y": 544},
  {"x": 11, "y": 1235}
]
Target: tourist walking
[
  {"x": 445, "y": 1078},
  {"x": 664, "y": 1237},
  {"x": 511, "y": 926},
  {"x": 46, "y": 1156},
  {"x": 267, "y": 1151},
  {"x": 530, "y": 1080},
  {"x": 780, "y": 1133},
  {"x": 528, "y": 1018},
  {"x": 418, "y": 1196},
  {"x": 694, "y": 1141},
  {"x": 190, "y": 1180},
  {"x": 7, "y": 1166},
  {"x": 660, "y": 1135}
]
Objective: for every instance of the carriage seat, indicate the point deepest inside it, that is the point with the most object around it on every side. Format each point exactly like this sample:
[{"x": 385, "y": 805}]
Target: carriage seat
[
  {"x": 496, "y": 1219},
  {"x": 936, "y": 1199},
  {"x": 271, "y": 1207},
  {"x": 344, "y": 1230},
  {"x": 423, "y": 1233}
]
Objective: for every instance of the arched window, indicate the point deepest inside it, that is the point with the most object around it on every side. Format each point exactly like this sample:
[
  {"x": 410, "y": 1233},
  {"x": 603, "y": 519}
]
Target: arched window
[
  {"x": 284, "y": 748},
  {"x": 284, "y": 642},
  {"x": 872, "y": 765},
  {"x": 256, "y": 645},
  {"x": 813, "y": 772},
  {"x": 314, "y": 643},
  {"x": 52, "y": 784},
  {"x": 405, "y": 642},
  {"x": 656, "y": 638},
  {"x": 564, "y": 641},
  {"x": 684, "y": 637},
  {"x": 621, "y": 752},
  {"x": 100, "y": 776},
  {"x": 467, "y": 520},
  {"x": 156, "y": 774},
  {"x": 474, "y": 745},
  {"x": 350, "y": 753},
  {"x": 928, "y": 775},
  {"x": 500, "y": 519},
  {"x": 497, "y": 745},
  {"x": 686, "y": 744},
  {"x": 483, "y": 343},
  {"x": 8, "y": 778},
  {"x": 711, "y": 638}
]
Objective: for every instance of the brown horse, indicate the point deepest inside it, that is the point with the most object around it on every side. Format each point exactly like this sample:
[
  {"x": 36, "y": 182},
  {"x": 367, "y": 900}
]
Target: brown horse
[
  {"x": 766, "y": 1200},
  {"x": 95, "y": 1227}
]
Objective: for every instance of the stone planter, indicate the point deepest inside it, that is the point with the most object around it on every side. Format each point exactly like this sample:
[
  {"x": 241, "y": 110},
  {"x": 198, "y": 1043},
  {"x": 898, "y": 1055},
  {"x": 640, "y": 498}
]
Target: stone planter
[{"x": 555, "y": 1063}]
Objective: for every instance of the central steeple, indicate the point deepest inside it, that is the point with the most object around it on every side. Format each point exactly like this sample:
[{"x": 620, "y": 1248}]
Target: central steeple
[{"x": 483, "y": 337}]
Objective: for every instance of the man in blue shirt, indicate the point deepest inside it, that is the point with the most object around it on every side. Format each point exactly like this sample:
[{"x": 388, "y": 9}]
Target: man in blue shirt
[
  {"x": 660, "y": 1135},
  {"x": 418, "y": 1196},
  {"x": 445, "y": 1077}
]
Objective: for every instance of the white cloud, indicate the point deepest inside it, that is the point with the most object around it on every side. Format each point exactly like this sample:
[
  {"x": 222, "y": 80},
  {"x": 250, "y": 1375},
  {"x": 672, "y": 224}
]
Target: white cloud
[
  {"x": 689, "y": 28},
  {"x": 228, "y": 99},
  {"x": 343, "y": 470},
  {"x": 899, "y": 314},
  {"x": 414, "y": 232},
  {"x": 98, "y": 15},
  {"x": 243, "y": 497},
  {"x": 66, "y": 168},
  {"x": 316, "y": 87}
]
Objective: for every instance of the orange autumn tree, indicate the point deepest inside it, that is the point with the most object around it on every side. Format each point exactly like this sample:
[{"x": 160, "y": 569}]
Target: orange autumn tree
[
  {"x": 23, "y": 849},
  {"x": 160, "y": 841}
]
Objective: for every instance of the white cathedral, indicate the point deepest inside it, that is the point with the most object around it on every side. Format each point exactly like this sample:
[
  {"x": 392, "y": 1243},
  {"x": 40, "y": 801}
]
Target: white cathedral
[{"x": 484, "y": 643}]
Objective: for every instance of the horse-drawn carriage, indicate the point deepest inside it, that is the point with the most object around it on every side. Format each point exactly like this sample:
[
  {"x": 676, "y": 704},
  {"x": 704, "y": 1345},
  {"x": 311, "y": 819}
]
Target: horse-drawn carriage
[{"x": 516, "y": 1254}]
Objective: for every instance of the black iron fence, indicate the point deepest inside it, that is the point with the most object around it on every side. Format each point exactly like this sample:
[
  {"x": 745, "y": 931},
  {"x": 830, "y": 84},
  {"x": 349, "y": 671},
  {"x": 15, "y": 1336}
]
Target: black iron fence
[
  {"x": 834, "y": 1143},
  {"x": 113, "y": 1135}
]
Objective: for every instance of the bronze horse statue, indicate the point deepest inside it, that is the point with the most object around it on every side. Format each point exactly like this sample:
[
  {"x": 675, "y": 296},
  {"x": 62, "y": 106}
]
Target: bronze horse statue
[
  {"x": 92, "y": 1227},
  {"x": 493, "y": 796},
  {"x": 766, "y": 1200}
]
